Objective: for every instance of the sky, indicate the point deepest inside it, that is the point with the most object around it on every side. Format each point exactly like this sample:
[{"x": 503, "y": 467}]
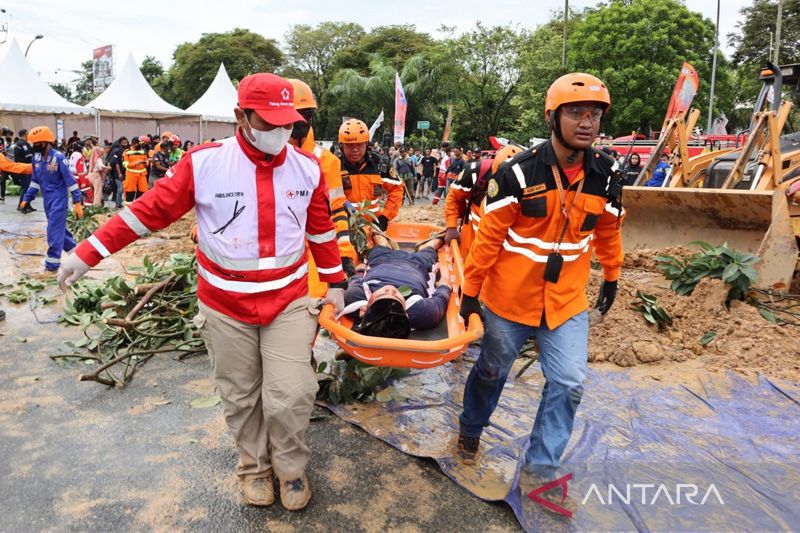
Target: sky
[{"x": 71, "y": 31}]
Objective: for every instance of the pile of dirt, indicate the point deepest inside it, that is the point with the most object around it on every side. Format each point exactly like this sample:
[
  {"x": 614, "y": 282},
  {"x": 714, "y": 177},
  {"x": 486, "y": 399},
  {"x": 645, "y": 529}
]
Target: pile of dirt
[
  {"x": 431, "y": 214},
  {"x": 744, "y": 342},
  {"x": 174, "y": 239}
]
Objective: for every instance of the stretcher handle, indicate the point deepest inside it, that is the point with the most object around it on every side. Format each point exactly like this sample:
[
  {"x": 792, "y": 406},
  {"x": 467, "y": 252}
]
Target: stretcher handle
[{"x": 328, "y": 321}]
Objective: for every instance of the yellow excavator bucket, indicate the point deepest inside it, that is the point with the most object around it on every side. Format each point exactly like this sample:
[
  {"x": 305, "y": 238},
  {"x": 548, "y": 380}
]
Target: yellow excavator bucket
[{"x": 757, "y": 222}]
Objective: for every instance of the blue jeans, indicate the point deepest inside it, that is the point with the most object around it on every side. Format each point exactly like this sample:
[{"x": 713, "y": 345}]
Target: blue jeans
[{"x": 563, "y": 360}]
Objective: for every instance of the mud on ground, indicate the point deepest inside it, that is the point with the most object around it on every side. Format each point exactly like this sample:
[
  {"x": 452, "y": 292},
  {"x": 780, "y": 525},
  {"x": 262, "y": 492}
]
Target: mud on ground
[{"x": 745, "y": 342}]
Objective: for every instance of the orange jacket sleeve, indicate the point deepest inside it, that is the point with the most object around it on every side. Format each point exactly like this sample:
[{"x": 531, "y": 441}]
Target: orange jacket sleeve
[
  {"x": 502, "y": 209},
  {"x": 457, "y": 202},
  {"x": 332, "y": 172},
  {"x": 608, "y": 243},
  {"x": 394, "y": 197},
  {"x": 14, "y": 168}
]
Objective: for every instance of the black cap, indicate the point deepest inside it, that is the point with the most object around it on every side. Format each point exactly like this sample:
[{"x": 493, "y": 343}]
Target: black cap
[{"x": 22, "y": 132}]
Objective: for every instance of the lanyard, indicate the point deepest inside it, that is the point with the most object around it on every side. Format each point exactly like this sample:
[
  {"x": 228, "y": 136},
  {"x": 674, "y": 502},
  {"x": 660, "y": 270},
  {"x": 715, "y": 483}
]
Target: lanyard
[{"x": 563, "y": 197}]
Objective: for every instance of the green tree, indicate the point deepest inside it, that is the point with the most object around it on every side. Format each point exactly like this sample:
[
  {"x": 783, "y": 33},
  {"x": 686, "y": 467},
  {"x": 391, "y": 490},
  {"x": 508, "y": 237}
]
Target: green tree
[
  {"x": 540, "y": 59},
  {"x": 196, "y": 64},
  {"x": 484, "y": 83},
  {"x": 751, "y": 42},
  {"x": 637, "y": 48},
  {"x": 62, "y": 89},
  {"x": 364, "y": 95},
  {"x": 151, "y": 69},
  {"x": 311, "y": 53},
  {"x": 84, "y": 89},
  {"x": 396, "y": 44}
]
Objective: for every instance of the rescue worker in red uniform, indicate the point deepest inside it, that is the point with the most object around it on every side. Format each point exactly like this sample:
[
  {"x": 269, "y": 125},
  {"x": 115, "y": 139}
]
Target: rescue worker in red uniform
[
  {"x": 135, "y": 163},
  {"x": 462, "y": 207},
  {"x": 546, "y": 211},
  {"x": 360, "y": 177},
  {"x": 259, "y": 203},
  {"x": 303, "y": 137}
]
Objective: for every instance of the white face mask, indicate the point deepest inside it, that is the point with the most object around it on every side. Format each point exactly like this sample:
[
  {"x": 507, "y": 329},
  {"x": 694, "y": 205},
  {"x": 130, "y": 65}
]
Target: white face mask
[{"x": 269, "y": 142}]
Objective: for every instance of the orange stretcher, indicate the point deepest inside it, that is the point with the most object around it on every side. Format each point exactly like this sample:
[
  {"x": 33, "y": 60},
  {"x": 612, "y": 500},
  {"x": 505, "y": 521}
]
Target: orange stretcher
[{"x": 424, "y": 349}]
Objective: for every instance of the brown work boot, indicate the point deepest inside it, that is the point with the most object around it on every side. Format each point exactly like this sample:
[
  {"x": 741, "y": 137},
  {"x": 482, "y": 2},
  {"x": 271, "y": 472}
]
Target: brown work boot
[
  {"x": 295, "y": 493},
  {"x": 468, "y": 449},
  {"x": 563, "y": 505},
  {"x": 258, "y": 491}
]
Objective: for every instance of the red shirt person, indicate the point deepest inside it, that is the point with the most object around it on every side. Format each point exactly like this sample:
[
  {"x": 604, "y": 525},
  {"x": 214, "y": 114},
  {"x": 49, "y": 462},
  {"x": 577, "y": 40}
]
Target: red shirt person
[{"x": 258, "y": 201}]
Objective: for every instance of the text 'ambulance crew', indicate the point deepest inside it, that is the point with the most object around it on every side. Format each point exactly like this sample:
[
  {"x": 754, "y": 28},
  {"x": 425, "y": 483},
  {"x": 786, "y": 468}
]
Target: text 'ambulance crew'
[
  {"x": 546, "y": 210},
  {"x": 258, "y": 201},
  {"x": 361, "y": 179}
]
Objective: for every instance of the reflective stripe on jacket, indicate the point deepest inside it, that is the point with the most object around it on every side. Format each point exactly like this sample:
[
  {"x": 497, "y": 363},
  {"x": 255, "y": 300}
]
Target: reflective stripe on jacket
[
  {"x": 521, "y": 227},
  {"x": 254, "y": 217}
]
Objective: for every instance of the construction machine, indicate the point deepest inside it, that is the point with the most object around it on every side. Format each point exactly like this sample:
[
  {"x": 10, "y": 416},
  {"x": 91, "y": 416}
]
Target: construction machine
[{"x": 734, "y": 195}]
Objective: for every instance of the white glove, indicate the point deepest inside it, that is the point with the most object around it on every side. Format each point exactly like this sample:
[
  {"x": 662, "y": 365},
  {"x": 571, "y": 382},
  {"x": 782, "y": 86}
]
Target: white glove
[
  {"x": 71, "y": 270},
  {"x": 335, "y": 297}
]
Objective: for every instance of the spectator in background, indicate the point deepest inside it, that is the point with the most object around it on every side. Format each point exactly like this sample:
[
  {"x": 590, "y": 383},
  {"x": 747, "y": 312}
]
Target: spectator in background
[
  {"x": 187, "y": 145},
  {"x": 117, "y": 171},
  {"x": 72, "y": 140},
  {"x": 405, "y": 172},
  {"x": 176, "y": 152},
  {"x": 632, "y": 169},
  {"x": 161, "y": 163},
  {"x": 659, "y": 173},
  {"x": 4, "y": 176},
  {"x": 23, "y": 153},
  {"x": 428, "y": 164},
  {"x": 455, "y": 168},
  {"x": 97, "y": 171}
]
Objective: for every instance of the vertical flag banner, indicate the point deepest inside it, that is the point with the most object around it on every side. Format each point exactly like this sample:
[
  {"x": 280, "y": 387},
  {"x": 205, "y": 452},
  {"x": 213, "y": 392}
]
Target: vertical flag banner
[
  {"x": 683, "y": 93},
  {"x": 448, "y": 123},
  {"x": 376, "y": 125},
  {"x": 400, "y": 105}
]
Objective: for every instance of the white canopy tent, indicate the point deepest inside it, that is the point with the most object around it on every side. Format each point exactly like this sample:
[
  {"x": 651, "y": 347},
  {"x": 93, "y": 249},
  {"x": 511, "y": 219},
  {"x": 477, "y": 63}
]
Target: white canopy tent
[
  {"x": 25, "y": 97},
  {"x": 216, "y": 105},
  {"x": 130, "y": 97}
]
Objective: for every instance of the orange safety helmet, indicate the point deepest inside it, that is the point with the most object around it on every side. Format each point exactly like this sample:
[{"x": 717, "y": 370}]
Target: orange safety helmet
[
  {"x": 303, "y": 95},
  {"x": 166, "y": 134},
  {"x": 41, "y": 134},
  {"x": 576, "y": 87},
  {"x": 353, "y": 131},
  {"x": 504, "y": 154}
]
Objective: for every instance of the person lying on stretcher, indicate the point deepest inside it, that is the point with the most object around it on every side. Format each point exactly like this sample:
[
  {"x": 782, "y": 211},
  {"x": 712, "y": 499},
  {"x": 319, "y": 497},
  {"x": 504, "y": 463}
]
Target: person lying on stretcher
[{"x": 373, "y": 299}]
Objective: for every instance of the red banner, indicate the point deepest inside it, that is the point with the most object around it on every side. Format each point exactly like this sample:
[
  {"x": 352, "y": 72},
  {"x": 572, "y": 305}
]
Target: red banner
[
  {"x": 683, "y": 93},
  {"x": 400, "y": 105}
]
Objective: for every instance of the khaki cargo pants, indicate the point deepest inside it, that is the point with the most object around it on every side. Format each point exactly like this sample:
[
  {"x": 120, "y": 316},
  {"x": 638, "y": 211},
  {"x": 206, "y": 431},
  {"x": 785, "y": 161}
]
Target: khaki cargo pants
[{"x": 267, "y": 386}]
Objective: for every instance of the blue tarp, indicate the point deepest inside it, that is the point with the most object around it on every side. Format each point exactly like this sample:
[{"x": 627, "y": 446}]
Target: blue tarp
[{"x": 643, "y": 456}]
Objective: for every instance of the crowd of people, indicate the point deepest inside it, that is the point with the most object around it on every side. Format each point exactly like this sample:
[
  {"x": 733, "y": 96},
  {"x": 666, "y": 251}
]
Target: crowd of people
[{"x": 100, "y": 169}]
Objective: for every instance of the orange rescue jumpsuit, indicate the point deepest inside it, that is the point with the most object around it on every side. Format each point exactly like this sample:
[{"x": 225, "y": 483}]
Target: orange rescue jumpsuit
[
  {"x": 459, "y": 208},
  {"x": 135, "y": 163},
  {"x": 363, "y": 183}
]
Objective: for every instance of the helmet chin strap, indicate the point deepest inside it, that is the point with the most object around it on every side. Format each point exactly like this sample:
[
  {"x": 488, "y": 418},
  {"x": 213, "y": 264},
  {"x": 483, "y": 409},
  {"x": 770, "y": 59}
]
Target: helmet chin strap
[{"x": 555, "y": 125}]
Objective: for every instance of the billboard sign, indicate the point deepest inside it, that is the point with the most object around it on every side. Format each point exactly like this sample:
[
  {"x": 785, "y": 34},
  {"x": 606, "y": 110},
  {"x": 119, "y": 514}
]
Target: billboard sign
[{"x": 102, "y": 67}]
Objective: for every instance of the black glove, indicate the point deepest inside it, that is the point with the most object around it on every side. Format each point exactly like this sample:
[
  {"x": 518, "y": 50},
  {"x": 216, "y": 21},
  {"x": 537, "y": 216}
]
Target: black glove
[
  {"x": 469, "y": 305},
  {"x": 348, "y": 267},
  {"x": 608, "y": 291},
  {"x": 383, "y": 222},
  {"x": 452, "y": 234}
]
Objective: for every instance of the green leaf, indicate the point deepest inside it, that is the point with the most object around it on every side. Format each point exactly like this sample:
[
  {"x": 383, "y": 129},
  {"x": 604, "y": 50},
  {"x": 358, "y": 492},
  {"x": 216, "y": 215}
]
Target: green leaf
[
  {"x": 205, "y": 403},
  {"x": 321, "y": 367},
  {"x": 649, "y": 318},
  {"x": 768, "y": 315},
  {"x": 708, "y": 337},
  {"x": 730, "y": 272}
]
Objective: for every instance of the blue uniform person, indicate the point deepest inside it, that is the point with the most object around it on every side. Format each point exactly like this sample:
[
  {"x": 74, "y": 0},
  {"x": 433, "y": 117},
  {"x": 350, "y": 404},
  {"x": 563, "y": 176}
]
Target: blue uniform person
[{"x": 52, "y": 176}]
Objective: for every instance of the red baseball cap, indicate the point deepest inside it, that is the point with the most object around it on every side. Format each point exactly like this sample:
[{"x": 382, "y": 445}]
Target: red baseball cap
[{"x": 271, "y": 96}]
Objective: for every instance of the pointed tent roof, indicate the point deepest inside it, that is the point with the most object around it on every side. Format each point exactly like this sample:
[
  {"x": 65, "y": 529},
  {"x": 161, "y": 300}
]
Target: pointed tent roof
[
  {"x": 23, "y": 90},
  {"x": 218, "y": 101},
  {"x": 129, "y": 95}
]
